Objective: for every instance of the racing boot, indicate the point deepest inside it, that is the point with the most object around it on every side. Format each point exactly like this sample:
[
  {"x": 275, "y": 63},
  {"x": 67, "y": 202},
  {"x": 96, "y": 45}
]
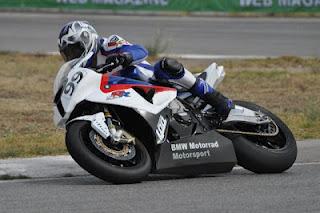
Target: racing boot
[
  {"x": 173, "y": 71},
  {"x": 222, "y": 104}
]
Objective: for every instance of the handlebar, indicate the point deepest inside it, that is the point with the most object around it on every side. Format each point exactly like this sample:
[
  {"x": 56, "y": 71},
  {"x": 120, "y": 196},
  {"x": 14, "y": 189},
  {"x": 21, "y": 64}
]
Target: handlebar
[{"x": 105, "y": 68}]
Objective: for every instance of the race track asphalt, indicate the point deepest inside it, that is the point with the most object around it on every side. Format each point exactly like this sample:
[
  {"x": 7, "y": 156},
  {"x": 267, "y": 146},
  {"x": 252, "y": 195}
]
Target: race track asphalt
[
  {"x": 184, "y": 35},
  {"x": 296, "y": 190}
]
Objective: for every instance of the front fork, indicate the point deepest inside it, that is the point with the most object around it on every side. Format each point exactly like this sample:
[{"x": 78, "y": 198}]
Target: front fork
[{"x": 102, "y": 123}]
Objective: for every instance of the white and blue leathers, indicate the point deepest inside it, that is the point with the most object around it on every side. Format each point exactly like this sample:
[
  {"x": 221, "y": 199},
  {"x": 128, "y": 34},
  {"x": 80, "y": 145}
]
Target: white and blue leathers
[{"x": 141, "y": 69}]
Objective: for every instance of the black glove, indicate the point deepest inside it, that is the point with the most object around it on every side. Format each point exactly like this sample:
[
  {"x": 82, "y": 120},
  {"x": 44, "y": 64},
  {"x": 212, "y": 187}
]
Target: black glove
[{"x": 117, "y": 59}]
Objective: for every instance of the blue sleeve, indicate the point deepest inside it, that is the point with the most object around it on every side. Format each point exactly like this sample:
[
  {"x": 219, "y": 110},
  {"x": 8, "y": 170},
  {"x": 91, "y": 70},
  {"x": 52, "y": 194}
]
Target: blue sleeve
[{"x": 138, "y": 52}]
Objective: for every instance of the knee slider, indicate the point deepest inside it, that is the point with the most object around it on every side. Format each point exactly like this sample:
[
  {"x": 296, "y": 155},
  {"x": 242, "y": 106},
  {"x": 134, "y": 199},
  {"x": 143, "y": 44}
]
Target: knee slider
[{"x": 172, "y": 67}]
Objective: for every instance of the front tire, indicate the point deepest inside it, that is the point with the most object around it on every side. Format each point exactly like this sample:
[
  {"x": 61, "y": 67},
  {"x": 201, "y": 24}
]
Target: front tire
[
  {"x": 265, "y": 154},
  {"x": 84, "y": 153}
]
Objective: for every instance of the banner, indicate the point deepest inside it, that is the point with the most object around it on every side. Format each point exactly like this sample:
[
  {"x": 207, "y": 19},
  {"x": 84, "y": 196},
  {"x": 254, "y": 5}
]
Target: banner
[{"x": 267, "y": 6}]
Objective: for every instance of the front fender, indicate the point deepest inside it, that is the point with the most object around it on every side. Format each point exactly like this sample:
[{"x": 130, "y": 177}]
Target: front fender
[{"x": 97, "y": 123}]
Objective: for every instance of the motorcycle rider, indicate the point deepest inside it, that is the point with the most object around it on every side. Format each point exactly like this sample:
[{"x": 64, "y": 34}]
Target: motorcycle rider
[{"x": 78, "y": 38}]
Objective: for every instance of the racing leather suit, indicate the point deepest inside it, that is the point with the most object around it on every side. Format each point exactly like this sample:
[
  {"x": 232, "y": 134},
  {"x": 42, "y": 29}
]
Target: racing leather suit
[{"x": 136, "y": 67}]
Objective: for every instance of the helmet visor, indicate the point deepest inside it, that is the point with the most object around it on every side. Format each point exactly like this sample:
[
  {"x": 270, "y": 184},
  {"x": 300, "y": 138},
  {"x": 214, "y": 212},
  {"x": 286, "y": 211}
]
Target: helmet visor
[{"x": 72, "y": 51}]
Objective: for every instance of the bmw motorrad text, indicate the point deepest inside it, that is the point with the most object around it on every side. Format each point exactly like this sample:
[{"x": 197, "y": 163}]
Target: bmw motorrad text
[{"x": 192, "y": 146}]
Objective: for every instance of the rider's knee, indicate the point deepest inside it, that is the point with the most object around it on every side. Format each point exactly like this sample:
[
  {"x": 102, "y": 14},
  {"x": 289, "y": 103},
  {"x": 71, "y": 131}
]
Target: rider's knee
[{"x": 168, "y": 68}]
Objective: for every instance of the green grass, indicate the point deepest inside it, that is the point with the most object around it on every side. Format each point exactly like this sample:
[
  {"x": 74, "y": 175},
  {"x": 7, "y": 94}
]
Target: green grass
[
  {"x": 288, "y": 86},
  {"x": 26, "y": 127}
]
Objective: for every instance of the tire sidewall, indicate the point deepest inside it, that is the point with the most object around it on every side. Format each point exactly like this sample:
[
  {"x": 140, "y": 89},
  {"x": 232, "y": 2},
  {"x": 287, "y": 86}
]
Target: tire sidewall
[
  {"x": 100, "y": 168},
  {"x": 263, "y": 160}
]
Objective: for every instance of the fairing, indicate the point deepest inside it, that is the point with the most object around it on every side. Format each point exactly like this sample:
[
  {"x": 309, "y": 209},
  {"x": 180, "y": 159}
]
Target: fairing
[{"x": 85, "y": 84}]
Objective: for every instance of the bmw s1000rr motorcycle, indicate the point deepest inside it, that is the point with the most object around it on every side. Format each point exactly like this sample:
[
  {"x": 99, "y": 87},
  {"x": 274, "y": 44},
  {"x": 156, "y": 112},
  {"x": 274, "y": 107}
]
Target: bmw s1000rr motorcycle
[{"x": 120, "y": 129}]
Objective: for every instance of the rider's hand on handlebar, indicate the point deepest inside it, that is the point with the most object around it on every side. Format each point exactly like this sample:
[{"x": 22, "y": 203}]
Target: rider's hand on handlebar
[{"x": 116, "y": 60}]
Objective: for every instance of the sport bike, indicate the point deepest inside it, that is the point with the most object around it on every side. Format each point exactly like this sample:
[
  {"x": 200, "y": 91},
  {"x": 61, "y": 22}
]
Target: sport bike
[{"x": 120, "y": 129}]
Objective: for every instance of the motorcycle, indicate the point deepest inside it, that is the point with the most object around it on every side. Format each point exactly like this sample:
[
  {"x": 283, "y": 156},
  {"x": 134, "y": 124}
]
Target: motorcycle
[{"x": 120, "y": 129}]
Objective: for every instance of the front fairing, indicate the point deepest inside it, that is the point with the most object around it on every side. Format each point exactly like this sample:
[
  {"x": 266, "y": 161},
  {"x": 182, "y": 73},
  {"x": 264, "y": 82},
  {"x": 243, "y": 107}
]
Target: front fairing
[
  {"x": 62, "y": 75},
  {"x": 78, "y": 84},
  {"x": 59, "y": 84},
  {"x": 110, "y": 90},
  {"x": 75, "y": 86}
]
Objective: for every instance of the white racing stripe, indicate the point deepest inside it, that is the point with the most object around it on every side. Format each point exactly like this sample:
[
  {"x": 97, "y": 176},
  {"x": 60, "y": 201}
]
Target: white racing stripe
[{"x": 306, "y": 164}]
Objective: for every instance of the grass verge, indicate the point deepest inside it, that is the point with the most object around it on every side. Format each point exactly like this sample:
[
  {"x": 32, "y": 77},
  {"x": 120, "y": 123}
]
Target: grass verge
[{"x": 288, "y": 86}]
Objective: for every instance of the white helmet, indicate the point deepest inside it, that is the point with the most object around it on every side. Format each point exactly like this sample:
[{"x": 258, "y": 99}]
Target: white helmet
[{"x": 76, "y": 39}]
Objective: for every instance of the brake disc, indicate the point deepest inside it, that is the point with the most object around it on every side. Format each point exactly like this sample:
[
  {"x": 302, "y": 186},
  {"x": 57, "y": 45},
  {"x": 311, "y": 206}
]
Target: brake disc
[{"x": 120, "y": 151}]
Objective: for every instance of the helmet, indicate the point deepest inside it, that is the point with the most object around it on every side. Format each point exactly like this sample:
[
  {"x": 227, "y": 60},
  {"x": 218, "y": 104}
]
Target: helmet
[{"x": 76, "y": 39}]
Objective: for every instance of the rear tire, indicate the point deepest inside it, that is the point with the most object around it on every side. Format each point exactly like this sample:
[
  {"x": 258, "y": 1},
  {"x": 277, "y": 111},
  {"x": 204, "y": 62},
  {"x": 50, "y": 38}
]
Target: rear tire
[
  {"x": 263, "y": 159},
  {"x": 78, "y": 145}
]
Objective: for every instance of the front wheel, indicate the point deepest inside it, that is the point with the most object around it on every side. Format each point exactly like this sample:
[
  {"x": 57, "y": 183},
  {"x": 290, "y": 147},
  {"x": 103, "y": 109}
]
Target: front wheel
[
  {"x": 119, "y": 163},
  {"x": 265, "y": 154}
]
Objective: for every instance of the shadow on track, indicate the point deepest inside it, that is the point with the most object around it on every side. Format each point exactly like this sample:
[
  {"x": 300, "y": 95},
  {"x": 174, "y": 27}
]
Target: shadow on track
[{"x": 89, "y": 180}]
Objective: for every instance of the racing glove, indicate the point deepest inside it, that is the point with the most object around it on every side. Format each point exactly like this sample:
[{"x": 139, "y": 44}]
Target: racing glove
[{"x": 116, "y": 60}]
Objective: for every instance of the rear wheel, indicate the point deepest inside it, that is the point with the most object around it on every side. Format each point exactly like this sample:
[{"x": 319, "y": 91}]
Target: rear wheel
[
  {"x": 265, "y": 154},
  {"x": 117, "y": 163}
]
